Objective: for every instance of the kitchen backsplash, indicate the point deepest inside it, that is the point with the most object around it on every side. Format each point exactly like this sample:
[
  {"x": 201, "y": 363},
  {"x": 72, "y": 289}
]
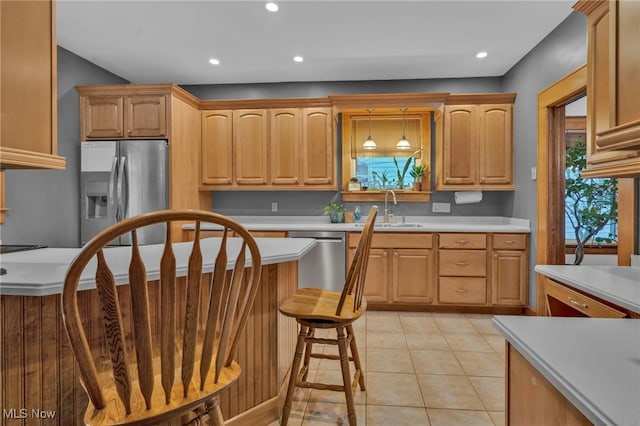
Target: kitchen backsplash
[{"x": 299, "y": 203}]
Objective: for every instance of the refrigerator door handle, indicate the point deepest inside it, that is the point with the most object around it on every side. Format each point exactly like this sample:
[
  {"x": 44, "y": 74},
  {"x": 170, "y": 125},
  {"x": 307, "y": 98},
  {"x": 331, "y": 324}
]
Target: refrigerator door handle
[
  {"x": 121, "y": 210},
  {"x": 112, "y": 207}
]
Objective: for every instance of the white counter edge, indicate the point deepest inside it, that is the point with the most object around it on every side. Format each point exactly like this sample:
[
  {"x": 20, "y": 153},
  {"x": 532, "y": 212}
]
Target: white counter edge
[
  {"x": 272, "y": 251},
  {"x": 563, "y": 386},
  {"x": 552, "y": 272}
]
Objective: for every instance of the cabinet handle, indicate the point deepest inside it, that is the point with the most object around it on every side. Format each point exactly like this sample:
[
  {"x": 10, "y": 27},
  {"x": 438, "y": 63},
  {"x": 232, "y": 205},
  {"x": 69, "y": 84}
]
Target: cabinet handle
[
  {"x": 575, "y": 302},
  {"x": 463, "y": 263},
  {"x": 482, "y": 179},
  {"x": 510, "y": 241},
  {"x": 461, "y": 290},
  {"x": 129, "y": 131},
  {"x": 463, "y": 242}
]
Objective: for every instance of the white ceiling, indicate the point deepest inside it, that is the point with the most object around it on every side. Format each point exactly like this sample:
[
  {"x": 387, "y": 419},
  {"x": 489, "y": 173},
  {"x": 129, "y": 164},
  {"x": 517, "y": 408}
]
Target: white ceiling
[{"x": 171, "y": 41}]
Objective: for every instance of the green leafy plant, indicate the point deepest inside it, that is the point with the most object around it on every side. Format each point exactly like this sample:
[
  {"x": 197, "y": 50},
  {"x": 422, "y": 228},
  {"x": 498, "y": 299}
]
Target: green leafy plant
[
  {"x": 407, "y": 164},
  {"x": 418, "y": 171},
  {"x": 335, "y": 212},
  {"x": 381, "y": 178},
  {"x": 590, "y": 204}
]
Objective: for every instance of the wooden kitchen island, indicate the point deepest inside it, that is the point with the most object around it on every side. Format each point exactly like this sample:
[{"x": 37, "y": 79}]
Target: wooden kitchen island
[{"x": 39, "y": 376}]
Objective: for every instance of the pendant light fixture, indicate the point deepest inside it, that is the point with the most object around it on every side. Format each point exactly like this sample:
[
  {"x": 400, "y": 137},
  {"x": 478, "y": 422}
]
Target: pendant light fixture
[
  {"x": 403, "y": 143},
  {"x": 369, "y": 144}
]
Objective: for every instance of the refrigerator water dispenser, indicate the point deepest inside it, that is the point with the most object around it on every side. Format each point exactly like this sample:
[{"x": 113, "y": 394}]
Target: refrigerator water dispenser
[{"x": 96, "y": 199}]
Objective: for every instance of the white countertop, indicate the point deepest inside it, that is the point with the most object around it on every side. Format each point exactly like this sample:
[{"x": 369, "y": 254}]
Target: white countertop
[
  {"x": 427, "y": 224},
  {"x": 41, "y": 272},
  {"x": 619, "y": 285},
  {"x": 593, "y": 362}
]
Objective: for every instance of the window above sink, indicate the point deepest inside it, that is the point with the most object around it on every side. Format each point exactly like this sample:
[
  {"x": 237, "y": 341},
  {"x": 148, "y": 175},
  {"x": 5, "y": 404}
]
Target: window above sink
[{"x": 376, "y": 170}]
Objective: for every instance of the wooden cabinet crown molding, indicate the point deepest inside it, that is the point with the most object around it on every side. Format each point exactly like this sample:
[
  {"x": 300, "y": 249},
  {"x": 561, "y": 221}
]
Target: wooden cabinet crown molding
[
  {"x": 389, "y": 100},
  {"x": 216, "y": 104},
  {"x": 480, "y": 98}
]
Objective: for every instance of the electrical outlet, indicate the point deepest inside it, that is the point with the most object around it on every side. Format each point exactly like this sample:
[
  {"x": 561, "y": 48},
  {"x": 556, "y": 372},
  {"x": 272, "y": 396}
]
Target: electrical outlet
[
  {"x": 441, "y": 208},
  {"x": 534, "y": 173},
  {"x": 274, "y": 207}
]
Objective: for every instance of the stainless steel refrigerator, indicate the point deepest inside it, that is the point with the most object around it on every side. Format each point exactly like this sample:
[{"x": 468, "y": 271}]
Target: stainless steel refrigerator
[{"x": 121, "y": 179}]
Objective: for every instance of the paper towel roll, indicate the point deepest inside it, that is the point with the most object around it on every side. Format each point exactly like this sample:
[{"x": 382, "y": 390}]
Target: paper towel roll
[{"x": 467, "y": 197}]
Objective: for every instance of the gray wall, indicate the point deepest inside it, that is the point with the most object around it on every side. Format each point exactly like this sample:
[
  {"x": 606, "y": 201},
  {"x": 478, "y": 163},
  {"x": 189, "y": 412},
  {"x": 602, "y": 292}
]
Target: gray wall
[
  {"x": 561, "y": 52},
  {"x": 44, "y": 203}
]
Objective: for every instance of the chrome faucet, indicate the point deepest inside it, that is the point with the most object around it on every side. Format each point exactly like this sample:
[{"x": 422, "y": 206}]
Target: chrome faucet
[{"x": 387, "y": 216}]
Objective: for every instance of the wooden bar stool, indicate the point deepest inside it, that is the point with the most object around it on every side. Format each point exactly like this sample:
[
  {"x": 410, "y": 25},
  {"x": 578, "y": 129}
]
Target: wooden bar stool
[
  {"x": 173, "y": 372},
  {"x": 315, "y": 308}
]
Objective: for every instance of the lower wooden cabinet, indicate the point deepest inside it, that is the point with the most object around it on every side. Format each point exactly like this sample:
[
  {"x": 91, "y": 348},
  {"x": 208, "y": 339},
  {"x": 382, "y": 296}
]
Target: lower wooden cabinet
[
  {"x": 400, "y": 268},
  {"x": 532, "y": 400},
  {"x": 411, "y": 275},
  {"x": 561, "y": 301},
  {"x": 509, "y": 269},
  {"x": 472, "y": 270}
]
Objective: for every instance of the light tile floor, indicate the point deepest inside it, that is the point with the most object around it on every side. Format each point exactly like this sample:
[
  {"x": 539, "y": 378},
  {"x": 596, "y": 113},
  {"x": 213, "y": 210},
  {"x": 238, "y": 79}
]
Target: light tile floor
[{"x": 421, "y": 369}]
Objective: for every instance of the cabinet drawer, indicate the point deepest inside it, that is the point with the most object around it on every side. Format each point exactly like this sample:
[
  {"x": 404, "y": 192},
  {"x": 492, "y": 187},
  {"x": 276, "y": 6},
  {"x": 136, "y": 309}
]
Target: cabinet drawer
[
  {"x": 462, "y": 291},
  {"x": 577, "y": 301},
  {"x": 463, "y": 241},
  {"x": 510, "y": 241},
  {"x": 468, "y": 263},
  {"x": 391, "y": 240}
]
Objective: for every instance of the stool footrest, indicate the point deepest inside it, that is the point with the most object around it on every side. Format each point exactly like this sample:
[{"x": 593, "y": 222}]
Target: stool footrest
[
  {"x": 320, "y": 386},
  {"x": 328, "y": 356}
]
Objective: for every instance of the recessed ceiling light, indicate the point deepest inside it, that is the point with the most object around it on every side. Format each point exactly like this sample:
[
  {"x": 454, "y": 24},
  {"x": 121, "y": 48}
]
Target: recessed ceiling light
[
  {"x": 481, "y": 55},
  {"x": 214, "y": 61},
  {"x": 298, "y": 58},
  {"x": 271, "y": 7}
]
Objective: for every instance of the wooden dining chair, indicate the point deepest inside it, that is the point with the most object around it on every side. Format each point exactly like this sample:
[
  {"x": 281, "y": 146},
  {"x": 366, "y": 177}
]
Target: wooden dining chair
[
  {"x": 173, "y": 368},
  {"x": 315, "y": 308}
]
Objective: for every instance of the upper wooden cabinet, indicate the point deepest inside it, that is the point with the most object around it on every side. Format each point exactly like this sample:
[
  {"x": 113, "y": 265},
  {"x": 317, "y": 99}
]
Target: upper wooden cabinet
[
  {"x": 275, "y": 148},
  {"x": 613, "y": 94},
  {"x": 250, "y": 139},
  {"x": 28, "y": 86},
  {"x": 476, "y": 150},
  {"x": 122, "y": 117}
]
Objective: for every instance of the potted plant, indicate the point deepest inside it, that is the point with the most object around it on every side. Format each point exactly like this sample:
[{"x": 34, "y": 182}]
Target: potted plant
[
  {"x": 417, "y": 173},
  {"x": 590, "y": 204},
  {"x": 407, "y": 164},
  {"x": 335, "y": 212}
]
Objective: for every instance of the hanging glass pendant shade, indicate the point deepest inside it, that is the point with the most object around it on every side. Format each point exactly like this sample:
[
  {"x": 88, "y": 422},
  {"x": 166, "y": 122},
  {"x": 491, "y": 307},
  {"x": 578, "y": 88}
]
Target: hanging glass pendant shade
[
  {"x": 369, "y": 144},
  {"x": 403, "y": 143}
]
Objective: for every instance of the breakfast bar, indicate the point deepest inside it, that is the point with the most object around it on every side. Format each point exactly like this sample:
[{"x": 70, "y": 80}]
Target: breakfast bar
[{"x": 39, "y": 376}]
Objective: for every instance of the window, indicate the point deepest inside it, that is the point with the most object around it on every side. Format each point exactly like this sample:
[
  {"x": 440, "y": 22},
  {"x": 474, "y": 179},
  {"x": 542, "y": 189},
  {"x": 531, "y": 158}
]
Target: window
[
  {"x": 385, "y": 167},
  {"x": 590, "y": 204}
]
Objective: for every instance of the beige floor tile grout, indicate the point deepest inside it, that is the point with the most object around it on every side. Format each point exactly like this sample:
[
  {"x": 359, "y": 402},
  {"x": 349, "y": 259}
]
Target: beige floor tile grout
[{"x": 409, "y": 322}]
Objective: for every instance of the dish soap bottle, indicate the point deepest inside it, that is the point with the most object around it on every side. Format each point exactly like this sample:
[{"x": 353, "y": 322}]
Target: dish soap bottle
[{"x": 357, "y": 214}]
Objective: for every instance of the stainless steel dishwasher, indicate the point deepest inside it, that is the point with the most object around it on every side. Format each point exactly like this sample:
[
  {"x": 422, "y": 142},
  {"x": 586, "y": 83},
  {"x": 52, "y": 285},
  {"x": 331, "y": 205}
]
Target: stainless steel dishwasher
[{"x": 323, "y": 266}]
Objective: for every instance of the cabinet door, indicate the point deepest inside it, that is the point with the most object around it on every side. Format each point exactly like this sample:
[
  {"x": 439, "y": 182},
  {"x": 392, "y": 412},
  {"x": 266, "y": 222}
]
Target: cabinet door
[
  {"x": 376, "y": 284},
  {"x": 284, "y": 146},
  {"x": 495, "y": 144},
  {"x": 412, "y": 274},
  {"x": 28, "y": 96},
  {"x": 600, "y": 86},
  {"x": 146, "y": 116},
  {"x": 509, "y": 277},
  {"x": 459, "y": 156},
  {"x": 102, "y": 117},
  {"x": 318, "y": 148},
  {"x": 622, "y": 129},
  {"x": 250, "y": 146},
  {"x": 217, "y": 147}
]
